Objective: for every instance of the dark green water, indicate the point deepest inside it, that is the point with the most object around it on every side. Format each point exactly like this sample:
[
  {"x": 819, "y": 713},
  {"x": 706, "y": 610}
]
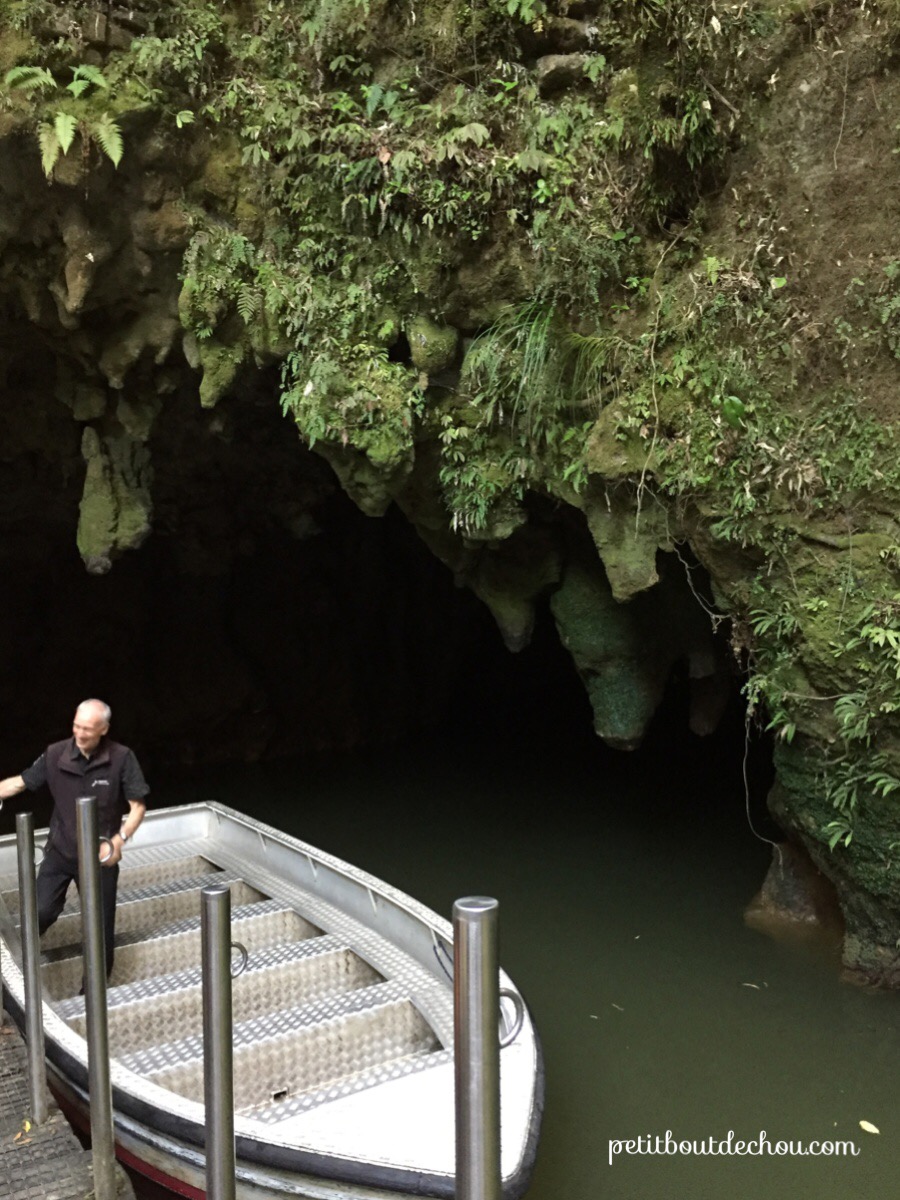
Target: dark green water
[{"x": 622, "y": 881}]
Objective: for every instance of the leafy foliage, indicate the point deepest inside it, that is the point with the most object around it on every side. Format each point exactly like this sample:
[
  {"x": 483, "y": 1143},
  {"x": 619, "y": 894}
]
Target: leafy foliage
[{"x": 55, "y": 137}]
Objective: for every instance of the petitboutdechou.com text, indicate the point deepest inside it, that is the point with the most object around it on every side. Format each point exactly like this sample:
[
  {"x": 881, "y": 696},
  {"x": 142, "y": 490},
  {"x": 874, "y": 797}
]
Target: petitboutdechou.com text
[{"x": 759, "y": 1145}]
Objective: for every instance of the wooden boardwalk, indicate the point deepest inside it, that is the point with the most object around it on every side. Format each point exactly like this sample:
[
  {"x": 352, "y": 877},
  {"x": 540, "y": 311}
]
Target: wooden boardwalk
[{"x": 43, "y": 1162}]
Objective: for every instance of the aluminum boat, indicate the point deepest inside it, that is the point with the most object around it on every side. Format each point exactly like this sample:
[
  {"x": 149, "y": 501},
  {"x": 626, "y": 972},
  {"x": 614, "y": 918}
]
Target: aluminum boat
[{"x": 343, "y": 1019}]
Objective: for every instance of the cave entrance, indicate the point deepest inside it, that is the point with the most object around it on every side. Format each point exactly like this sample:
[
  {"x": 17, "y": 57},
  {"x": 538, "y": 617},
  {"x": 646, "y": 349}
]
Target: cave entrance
[{"x": 265, "y": 617}]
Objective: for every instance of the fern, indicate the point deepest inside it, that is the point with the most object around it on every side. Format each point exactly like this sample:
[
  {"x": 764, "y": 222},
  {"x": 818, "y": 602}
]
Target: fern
[
  {"x": 590, "y": 356},
  {"x": 532, "y": 364},
  {"x": 30, "y": 78},
  {"x": 64, "y": 126},
  {"x": 248, "y": 303},
  {"x": 838, "y": 831},
  {"x": 56, "y": 138},
  {"x": 109, "y": 137},
  {"x": 84, "y": 77},
  {"x": 50, "y": 147},
  {"x": 450, "y": 145},
  {"x": 90, "y": 75},
  {"x": 373, "y": 96}
]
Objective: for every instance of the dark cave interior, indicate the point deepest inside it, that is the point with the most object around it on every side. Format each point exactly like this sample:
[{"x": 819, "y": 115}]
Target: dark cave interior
[{"x": 266, "y": 617}]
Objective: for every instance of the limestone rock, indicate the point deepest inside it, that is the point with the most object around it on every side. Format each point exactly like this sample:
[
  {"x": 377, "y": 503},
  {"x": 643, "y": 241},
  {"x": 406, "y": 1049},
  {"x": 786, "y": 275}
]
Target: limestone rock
[
  {"x": 615, "y": 451},
  {"x": 627, "y": 540},
  {"x": 506, "y": 516},
  {"x": 616, "y": 659},
  {"x": 191, "y": 348},
  {"x": 86, "y": 249},
  {"x": 510, "y": 578},
  {"x": 136, "y": 416},
  {"x": 115, "y": 510},
  {"x": 154, "y": 330},
  {"x": 433, "y": 347},
  {"x": 370, "y": 485},
  {"x": 89, "y": 402},
  {"x": 625, "y": 651},
  {"x": 220, "y": 365},
  {"x": 556, "y": 72},
  {"x": 795, "y": 895},
  {"x": 568, "y": 35},
  {"x": 162, "y": 229},
  {"x": 492, "y": 276}
]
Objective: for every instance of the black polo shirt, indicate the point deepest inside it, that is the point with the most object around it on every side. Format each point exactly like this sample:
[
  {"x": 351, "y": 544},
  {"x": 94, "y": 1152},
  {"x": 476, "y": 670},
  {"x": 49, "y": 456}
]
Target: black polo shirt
[
  {"x": 64, "y": 786},
  {"x": 134, "y": 784}
]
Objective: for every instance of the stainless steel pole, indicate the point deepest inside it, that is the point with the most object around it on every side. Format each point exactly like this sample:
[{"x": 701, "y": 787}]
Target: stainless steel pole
[
  {"x": 2, "y": 999},
  {"x": 103, "y": 1148},
  {"x": 218, "y": 1073},
  {"x": 31, "y": 969},
  {"x": 476, "y": 1018}
]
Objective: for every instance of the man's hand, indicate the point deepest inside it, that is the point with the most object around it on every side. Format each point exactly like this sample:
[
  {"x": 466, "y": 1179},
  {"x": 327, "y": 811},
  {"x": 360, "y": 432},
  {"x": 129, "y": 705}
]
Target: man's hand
[
  {"x": 11, "y": 787},
  {"x": 113, "y": 848}
]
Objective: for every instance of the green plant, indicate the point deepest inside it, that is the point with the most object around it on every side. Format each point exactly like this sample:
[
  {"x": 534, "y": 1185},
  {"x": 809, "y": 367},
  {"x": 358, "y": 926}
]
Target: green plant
[
  {"x": 839, "y": 831},
  {"x": 76, "y": 117},
  {"x": 528, "y": 11}
]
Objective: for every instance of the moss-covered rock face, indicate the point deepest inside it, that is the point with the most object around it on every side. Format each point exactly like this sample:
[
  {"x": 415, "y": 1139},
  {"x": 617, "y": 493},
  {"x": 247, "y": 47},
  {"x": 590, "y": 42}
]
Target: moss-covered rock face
[
  {"x": 115, "y": 512},
  {"x": 624, "y": 300},
  {"x": 433, "y": 348}
]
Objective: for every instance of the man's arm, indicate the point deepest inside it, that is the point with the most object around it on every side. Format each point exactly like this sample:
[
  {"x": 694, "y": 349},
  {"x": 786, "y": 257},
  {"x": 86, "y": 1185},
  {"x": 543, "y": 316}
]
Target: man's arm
[
  {"x": 137, "y": 808},
  {"x": 11, "y": 787},
  {"x": 135, "y": 816},
  {"x": 133, "y": 785}
]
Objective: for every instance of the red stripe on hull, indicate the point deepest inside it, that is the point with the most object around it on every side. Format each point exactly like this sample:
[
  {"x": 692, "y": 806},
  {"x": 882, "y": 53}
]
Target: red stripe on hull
[{"x": 76, "y": 1117}]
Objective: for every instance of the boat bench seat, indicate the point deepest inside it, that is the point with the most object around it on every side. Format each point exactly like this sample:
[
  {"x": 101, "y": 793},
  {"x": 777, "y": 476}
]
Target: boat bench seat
[
  {"x": 149, "y": 907},
  {"x": 281, "y": 1055},
  {"x": 144, "y": 954},
  {"x": 145, "y": 1014},
  {"x": 168, "y": 870}
]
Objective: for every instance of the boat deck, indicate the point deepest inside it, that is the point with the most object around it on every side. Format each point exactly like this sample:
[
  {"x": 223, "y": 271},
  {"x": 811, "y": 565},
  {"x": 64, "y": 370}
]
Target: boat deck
[
  {"x": 317, "y": 1015},
  {"x": 45, "y": 1160}
]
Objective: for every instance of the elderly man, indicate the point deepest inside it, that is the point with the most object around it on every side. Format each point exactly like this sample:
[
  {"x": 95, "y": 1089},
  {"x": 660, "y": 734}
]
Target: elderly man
[{"x": 87, "y": 764}]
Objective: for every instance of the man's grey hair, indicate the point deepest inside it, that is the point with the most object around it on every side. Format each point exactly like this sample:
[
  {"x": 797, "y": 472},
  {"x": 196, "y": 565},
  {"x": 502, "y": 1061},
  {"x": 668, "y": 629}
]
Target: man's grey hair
[{"x": 104, "y": 709}]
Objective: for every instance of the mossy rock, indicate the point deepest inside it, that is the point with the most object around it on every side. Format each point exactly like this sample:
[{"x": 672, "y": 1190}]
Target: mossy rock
[
  {"x": 223, "y": 171},
  {"x": 219, "y": 364},
  {"x": 627, "y": 537},
  {"x": 115, "y": 510},
  {"x": 433, "y": 347},
  {"x": 615, "y": 451}
]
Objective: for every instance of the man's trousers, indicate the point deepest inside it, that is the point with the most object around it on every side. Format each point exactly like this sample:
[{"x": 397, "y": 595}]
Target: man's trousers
[{"x": 54, "y": 876}]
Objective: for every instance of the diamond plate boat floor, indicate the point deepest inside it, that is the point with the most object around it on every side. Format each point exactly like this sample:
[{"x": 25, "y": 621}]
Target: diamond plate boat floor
[
  {"x": 292, "y": 1053},
  {"x": 145, "y": 953},
  {"x": 317, "y": 1015},
  {"x": 156, "y": 870},
  {"x": 146, "y": 1014},
  {"x": 150, "y": 907}
]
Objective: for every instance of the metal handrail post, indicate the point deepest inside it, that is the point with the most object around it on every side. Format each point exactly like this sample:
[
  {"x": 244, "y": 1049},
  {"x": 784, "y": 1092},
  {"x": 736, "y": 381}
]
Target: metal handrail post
[
  {"x": 39, "y": 1106},
  {"x": 476, "y": 1009},
  {"x": 218, "y": 1071},
  {"x": 103, "y": 1147}
]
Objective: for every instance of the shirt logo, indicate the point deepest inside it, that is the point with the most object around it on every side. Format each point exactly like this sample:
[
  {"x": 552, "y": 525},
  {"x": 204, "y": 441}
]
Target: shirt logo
[{"x": 100, "y": 783}]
